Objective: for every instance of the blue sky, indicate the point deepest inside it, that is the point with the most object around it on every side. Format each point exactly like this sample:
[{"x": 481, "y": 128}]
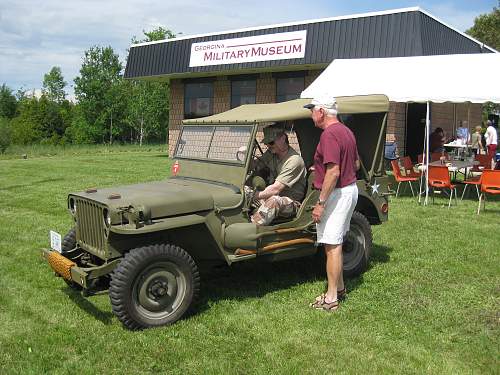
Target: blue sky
[{"x": 37, "y": 35}]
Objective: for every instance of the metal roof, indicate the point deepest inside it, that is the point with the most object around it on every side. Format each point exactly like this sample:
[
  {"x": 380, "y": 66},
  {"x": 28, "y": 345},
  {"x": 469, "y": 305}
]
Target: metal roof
[{"x": 397, "y": 33}]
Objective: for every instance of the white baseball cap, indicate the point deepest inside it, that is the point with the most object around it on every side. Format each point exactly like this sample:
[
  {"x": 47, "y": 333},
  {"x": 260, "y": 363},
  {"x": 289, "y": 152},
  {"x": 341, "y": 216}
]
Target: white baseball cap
[{"x": 325, "y": 101}]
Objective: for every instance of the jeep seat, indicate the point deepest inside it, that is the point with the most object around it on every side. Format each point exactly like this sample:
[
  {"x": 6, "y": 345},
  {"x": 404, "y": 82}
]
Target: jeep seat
[{"x": 309, "y": 190}]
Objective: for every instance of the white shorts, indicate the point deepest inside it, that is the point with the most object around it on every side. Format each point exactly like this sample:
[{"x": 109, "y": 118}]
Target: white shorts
[{"x": 336, "y": 218}]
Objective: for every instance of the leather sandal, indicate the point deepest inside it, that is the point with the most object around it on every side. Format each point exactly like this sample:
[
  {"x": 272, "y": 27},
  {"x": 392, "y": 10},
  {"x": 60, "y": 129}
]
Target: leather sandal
[
  {"x": 341, "y": 296},
  {"x": 330, "y": 307},
  {"x": 326, "y": 306}
]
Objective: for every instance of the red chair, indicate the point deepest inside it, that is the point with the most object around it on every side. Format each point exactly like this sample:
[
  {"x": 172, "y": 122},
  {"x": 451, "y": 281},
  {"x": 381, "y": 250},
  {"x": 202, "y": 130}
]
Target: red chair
[
  {"x": 439, "y": 178},
  {"x": 490, "y": 184},
  {"x": 409, "y": 167},
  {"x": 436, "y": 155},
  {"x": 476, "y": 181},
  {"x": 484, "y": 163},
  {"x": 400, "y": 178}
]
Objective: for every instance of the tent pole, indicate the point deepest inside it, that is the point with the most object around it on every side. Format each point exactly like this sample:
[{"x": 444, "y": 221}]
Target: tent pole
[
  {"x": 420, "y": 187},
  {"x": 454, "y": 127},
  {"x": 427, "y": 127},
  {"x": 468, "y": 119}
]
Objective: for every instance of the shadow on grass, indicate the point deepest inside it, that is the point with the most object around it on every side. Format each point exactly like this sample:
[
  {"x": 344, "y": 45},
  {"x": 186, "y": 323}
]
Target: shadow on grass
[
  {"x": 34, "y": 183},
  {"x": 104, "y": 317},
  {"x": 379, "y": 254},
  {"x": 250, "y": 280},
  {"x": 256, "y": 279},
  {"x": 163, "y": 155}
]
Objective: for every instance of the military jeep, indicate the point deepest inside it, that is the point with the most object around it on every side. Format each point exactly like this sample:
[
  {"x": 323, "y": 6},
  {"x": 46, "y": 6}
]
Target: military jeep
[{"x": 146, "y": 243}]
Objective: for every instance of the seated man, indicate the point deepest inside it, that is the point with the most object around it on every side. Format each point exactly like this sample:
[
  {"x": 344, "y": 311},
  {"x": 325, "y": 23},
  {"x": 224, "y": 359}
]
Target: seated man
[
  {"x": 437, "y": 140},
  {"x": 287, "y": 180}
]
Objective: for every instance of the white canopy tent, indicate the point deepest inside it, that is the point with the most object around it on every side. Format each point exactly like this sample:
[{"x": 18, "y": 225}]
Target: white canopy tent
[{"x": 473, "y": 78}]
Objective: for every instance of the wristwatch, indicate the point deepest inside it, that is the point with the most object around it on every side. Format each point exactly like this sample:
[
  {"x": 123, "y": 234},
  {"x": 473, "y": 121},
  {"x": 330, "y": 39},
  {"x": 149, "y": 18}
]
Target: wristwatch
[{"x": 321, "y": 202}]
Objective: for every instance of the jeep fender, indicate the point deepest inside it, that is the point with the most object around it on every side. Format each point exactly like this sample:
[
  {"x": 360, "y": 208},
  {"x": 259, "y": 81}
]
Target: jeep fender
[{"x": 198, "y": 233}]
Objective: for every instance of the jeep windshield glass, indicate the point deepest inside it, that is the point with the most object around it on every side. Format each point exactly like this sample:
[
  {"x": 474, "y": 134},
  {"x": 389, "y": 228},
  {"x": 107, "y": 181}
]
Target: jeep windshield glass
[{"x": 222, "y": 143}]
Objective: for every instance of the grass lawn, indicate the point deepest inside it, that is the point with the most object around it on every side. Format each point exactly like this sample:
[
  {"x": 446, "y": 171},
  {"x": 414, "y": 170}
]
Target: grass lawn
[{"x": 429, "y": 302}]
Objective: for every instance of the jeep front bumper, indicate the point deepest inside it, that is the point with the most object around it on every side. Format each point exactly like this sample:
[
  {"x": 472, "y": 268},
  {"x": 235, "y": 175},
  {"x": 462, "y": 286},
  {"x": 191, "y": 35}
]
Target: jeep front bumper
[{"x": 68, "y": 270}]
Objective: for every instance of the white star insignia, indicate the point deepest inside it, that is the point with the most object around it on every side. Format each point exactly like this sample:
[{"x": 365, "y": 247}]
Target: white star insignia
[{"x": 375, "y": 187}]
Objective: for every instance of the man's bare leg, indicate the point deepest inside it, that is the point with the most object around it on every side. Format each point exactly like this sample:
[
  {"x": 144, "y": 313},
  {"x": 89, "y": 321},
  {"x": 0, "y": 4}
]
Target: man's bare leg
[{"x": 334, "y": 271}]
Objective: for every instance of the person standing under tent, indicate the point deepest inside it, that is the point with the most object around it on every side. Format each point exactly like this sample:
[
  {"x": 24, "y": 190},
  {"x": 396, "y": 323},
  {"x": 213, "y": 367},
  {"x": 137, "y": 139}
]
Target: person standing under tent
[
  {"x": 476, "y": 142},
  {"x": 491, "y": 142}
]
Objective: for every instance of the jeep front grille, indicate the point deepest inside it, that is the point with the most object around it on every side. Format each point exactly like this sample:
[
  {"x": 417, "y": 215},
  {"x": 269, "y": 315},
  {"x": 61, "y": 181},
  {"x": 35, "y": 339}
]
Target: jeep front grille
[{"x": 91, "y": 230}]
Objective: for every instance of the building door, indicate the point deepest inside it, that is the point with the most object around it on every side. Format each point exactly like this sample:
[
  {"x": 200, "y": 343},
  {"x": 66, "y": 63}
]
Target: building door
[{"x": 415, "y": 129}]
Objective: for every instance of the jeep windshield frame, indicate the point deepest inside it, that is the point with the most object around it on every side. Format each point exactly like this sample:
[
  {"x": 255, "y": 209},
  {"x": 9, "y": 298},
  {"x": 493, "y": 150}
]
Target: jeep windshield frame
[
  {"x": 215, "y": 143},
  {"x": 365, "y": 115}
]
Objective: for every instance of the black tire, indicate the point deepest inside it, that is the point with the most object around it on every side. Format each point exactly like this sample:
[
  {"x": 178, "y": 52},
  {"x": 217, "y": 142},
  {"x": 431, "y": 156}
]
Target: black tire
[
  {"x": 71, "y": 252},
  {"x": 357, "y": 245},
  {"x": 154, "y": 286}
]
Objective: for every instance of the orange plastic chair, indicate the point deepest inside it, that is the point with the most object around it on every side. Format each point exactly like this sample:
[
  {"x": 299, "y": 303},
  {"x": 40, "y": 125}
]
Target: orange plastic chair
[
  {"x": 436, "y": 155},
  {"x": 439, "y": 178},
  {"x": 476, "y": 181},
  {"x": 484, "y": 163},
  {"x": 490, "y": 184},
  {"x": 400, "y": 178},
  {"x": 409, "y": 167}
]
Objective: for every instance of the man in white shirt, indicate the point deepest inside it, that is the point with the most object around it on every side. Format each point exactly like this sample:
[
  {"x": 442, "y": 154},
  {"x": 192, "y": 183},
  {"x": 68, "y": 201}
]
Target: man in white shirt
[{"x": 491, "y": 142}]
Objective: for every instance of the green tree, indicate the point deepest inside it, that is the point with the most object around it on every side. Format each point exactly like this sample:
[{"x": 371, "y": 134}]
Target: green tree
[
  {"x": 160, "y": 33},
  {"x": 26, "y": 128},
  {"x": 148, "y": 109},
  {"x": 8, "y": 102},
  {"x": 51, "y": 123},
  {"x": 487, "y": 29},
  {"x": 53, "y": 85},
  {"x": 40, "y": 120},
  {"x": 5, "y": 134},
  {"x": 79, "y": 131},
  {"x": 148, "y": 100},
  {"x": 96, "y": 91}
]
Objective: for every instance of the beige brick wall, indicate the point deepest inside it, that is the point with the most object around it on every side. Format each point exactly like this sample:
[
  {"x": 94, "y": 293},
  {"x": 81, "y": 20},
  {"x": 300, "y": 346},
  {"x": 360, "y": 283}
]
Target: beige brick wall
[
  {"x": 266, "y": 89},
  {"x": 176, "y": 114},
  {"x": 311, "y": 76},
  {"x": 449, "y": 116},
  {"x": 396, "y": 124},
  {"x": 222, "y": 95},
  {"x": 442, "y": 116}
]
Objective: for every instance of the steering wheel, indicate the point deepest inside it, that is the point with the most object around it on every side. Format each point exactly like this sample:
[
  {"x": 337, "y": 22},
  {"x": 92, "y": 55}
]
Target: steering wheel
[{"x": 241, "y": 153}]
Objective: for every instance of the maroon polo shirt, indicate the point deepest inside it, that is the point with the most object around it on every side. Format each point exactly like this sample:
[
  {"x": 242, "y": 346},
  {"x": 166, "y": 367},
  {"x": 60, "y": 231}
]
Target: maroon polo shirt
[{"x": 337, "y": 145}]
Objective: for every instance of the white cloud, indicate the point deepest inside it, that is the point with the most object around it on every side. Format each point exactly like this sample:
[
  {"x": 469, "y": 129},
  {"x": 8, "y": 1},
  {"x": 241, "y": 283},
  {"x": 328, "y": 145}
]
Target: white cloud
[
  {"x": 37, "y": 35},
  {"x": 459, "y": 19}
]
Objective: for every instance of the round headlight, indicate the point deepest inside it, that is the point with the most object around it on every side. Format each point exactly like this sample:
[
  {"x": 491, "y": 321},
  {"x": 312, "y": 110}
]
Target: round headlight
[
  {"x": 107, "y": 217},
  {"x": 72, "y": 206}
]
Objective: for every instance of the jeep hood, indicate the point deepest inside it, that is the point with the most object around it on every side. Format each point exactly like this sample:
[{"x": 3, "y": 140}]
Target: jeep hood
[{"x": 171, "y": 197}]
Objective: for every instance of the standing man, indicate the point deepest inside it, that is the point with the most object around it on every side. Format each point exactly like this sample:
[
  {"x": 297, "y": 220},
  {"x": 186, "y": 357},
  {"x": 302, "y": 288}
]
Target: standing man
[
  {"x": 491, "y": 137},
  {"x": 287, "y": 182},
  {"x": 335, "y": 164}
]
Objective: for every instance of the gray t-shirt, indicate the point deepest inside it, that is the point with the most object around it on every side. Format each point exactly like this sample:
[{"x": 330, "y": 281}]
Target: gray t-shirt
[
  {"x": 475, "y": 139},
  {"x": 290, "y": 171}
]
